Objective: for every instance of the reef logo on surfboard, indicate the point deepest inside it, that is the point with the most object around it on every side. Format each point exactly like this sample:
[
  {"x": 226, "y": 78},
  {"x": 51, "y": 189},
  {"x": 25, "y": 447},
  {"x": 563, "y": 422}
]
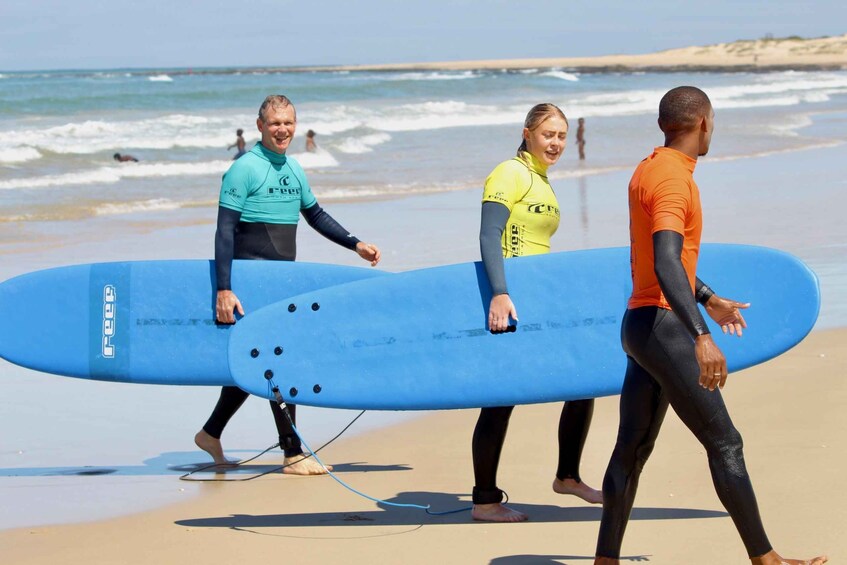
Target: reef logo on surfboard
[
  {"x": 109, "y": 310},
  {"x": 109, "y": 315}
]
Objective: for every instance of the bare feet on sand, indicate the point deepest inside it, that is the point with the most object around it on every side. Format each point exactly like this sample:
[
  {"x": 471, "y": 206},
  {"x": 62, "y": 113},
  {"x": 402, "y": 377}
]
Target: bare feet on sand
[
  {"x": 770, "y": 558},
  {"x": 300, "y": 465},
  {"x": 212, "y": 446},
  {"x": 496, "y": 513},
  {"x": 579, "y": 489},
  {"x": 773, "y": 558}
]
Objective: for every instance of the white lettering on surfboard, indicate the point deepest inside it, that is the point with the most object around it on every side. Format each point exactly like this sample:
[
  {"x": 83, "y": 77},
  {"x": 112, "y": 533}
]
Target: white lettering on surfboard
[{"x": 109, "y": 310}]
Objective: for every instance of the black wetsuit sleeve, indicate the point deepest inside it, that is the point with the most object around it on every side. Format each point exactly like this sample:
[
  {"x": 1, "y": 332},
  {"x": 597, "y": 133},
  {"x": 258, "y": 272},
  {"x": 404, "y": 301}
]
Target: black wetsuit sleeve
[
  {"x": 492, "y": 224},
  {"x": 667, "y": 250},
  {"x": 325, "y": 225},
  {"x": 225, "y": 246},
  {"x": 702, "y": 291}
]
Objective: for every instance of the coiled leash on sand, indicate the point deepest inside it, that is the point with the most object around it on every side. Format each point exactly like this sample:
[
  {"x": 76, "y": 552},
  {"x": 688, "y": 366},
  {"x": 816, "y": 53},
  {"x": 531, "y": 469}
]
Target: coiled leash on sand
[
  {"x": 281, "y": 401},
  {"x": 278, "y": 396}
]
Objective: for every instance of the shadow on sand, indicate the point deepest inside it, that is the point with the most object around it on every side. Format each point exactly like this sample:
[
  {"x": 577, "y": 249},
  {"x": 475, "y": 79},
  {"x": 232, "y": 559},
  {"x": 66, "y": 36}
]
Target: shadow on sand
[
  {"x": 438, "y": 502},
  {"x": 174, "y": 463}
]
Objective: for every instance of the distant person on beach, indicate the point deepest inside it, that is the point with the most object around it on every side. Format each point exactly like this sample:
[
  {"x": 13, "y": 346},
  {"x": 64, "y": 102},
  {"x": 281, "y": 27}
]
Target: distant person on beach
[
  {"x": 239, "y": 143},
  {"x": 262, "y": 197},
  {"x": 124, "y": 158},
  {"x": 671, "y": 357},
  {"x": 311, "y": 146},
  {"x": 580, "y": 138},
  {"x": 519, "y": 199}
]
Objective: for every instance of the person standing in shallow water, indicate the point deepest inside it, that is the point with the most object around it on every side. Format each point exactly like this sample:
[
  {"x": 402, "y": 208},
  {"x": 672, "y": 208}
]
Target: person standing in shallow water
[
  {"x": 262, "y": 197},
  {"x": 240, "y": 144},
  {"x": 671, "y": 357},
  {"x": 311, "y": 146},
  {"x": 519, "y": 215},
  {"x": 580, "y": 138}
]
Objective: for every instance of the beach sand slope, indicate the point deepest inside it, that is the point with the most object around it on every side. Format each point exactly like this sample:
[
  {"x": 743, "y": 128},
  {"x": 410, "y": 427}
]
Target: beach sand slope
[{"x": 790, "y": 412}]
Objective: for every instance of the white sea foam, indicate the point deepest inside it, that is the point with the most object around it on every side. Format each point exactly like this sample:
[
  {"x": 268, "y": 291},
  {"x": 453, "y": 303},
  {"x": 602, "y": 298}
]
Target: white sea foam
[
  {"x": 561, "y": 75},
  {"x": 152, "y": 205},
  {"x": 114, "y": 174},
  {"x": 768, "y": 153},
  {"x": 788, "y": 126},
  {"x": 215, "y": 130},
  {"x": 779, "y": 84},
  {"x": 364, "y": 144},
  {"x": 160, "y": 78},
  {"x": 435, "y": 75},
  {"x": 94, "y": 136},
  {"x": 587, "y": 172},
  {"x": 445, "y": 114},
  {"x": 320, "y": 159},
  {"x": 782, "y": 90},
  {"x": 18, "y": 154}
]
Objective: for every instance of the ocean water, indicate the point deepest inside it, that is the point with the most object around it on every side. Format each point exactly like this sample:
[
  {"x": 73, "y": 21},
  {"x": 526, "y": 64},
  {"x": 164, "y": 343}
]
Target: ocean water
[{"x": 380, "y": 134}]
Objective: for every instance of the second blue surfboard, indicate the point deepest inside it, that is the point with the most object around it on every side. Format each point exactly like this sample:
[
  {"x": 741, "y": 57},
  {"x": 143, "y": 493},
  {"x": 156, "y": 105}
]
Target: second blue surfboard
[{"x": 418, "y": 340}]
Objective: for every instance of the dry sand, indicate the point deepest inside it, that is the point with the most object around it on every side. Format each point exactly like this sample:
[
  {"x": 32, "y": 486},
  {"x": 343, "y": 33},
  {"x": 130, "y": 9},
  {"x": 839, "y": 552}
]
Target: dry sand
[
  {"x": 765, "y": 54},
  {"x": 790, "y": 412}
]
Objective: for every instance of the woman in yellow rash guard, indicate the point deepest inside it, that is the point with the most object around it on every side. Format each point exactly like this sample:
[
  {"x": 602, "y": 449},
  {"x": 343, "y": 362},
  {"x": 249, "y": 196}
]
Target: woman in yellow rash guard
[{"x": 519, "y": 215}]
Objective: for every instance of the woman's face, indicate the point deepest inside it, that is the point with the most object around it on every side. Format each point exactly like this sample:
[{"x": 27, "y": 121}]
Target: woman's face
[{"x": 547, "y": 141}]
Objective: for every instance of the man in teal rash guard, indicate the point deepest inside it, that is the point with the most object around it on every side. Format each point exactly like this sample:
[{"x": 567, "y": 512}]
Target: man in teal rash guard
[{"x": 262, "y": 196}]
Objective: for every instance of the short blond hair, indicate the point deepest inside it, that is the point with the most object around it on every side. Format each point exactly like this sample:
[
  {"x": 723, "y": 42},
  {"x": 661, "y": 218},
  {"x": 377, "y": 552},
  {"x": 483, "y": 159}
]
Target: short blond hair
[{"x": 275, "y": 101}]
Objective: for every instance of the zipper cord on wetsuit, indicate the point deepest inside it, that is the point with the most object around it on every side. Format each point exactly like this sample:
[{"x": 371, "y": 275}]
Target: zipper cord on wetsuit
[{"x": 282, "y": 405}]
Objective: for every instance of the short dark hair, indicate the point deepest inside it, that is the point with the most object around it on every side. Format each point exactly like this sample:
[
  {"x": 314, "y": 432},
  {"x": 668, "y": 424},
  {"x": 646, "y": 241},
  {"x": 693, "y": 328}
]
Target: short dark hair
[
  {"x": 116, "y": 156},
  {"x": 239, "y": 131},
  {"x": 681, "y": 109},
  {"x": 274, "y": 100}
]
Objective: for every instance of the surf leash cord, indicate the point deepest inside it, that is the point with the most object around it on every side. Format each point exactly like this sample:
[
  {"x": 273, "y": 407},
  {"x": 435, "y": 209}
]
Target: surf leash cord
[
  {"x": 426, "y": 508},
  {"x": 186, "y": 476}
]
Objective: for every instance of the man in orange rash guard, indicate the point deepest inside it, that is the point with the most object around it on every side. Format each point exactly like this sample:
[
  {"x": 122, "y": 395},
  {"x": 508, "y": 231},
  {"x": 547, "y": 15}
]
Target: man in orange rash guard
[{"x": 671, "y": 358}]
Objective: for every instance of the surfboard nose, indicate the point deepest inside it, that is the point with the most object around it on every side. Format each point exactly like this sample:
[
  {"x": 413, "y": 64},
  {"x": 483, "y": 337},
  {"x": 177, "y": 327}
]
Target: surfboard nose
[{"x": 32, "y": 307}]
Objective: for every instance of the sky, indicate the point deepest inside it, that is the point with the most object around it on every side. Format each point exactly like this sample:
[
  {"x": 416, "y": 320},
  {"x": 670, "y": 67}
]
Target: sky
[{"x": 101, "y": 34}]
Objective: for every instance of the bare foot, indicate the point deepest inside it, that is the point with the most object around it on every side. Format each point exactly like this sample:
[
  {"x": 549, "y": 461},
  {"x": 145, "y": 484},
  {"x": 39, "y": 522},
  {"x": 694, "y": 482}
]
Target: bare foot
[
  {"x": 299, "y": 465},
  {"x": 773, "y": 558},
  {"x": 212, "y": 446},
  {"x": 496, "y": 513},
  {"x": 581, "y": 490}
]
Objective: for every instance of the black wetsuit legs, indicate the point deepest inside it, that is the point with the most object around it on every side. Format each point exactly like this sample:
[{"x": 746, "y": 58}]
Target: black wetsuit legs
[
  {"x": 488, "y": 437},
  {"x": 662, "y": 369},
  {"x": 490, "y": 433},
  {"x": 228, "y": 404},
  {"x": 573, "y": 429},
  {"x": 231, "y": 400}
]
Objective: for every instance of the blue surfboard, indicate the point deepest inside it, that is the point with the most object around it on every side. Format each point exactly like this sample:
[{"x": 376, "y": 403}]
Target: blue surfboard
[
  {"x": 142, "y": 321},
  {"x": 418, "y": 340}
]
